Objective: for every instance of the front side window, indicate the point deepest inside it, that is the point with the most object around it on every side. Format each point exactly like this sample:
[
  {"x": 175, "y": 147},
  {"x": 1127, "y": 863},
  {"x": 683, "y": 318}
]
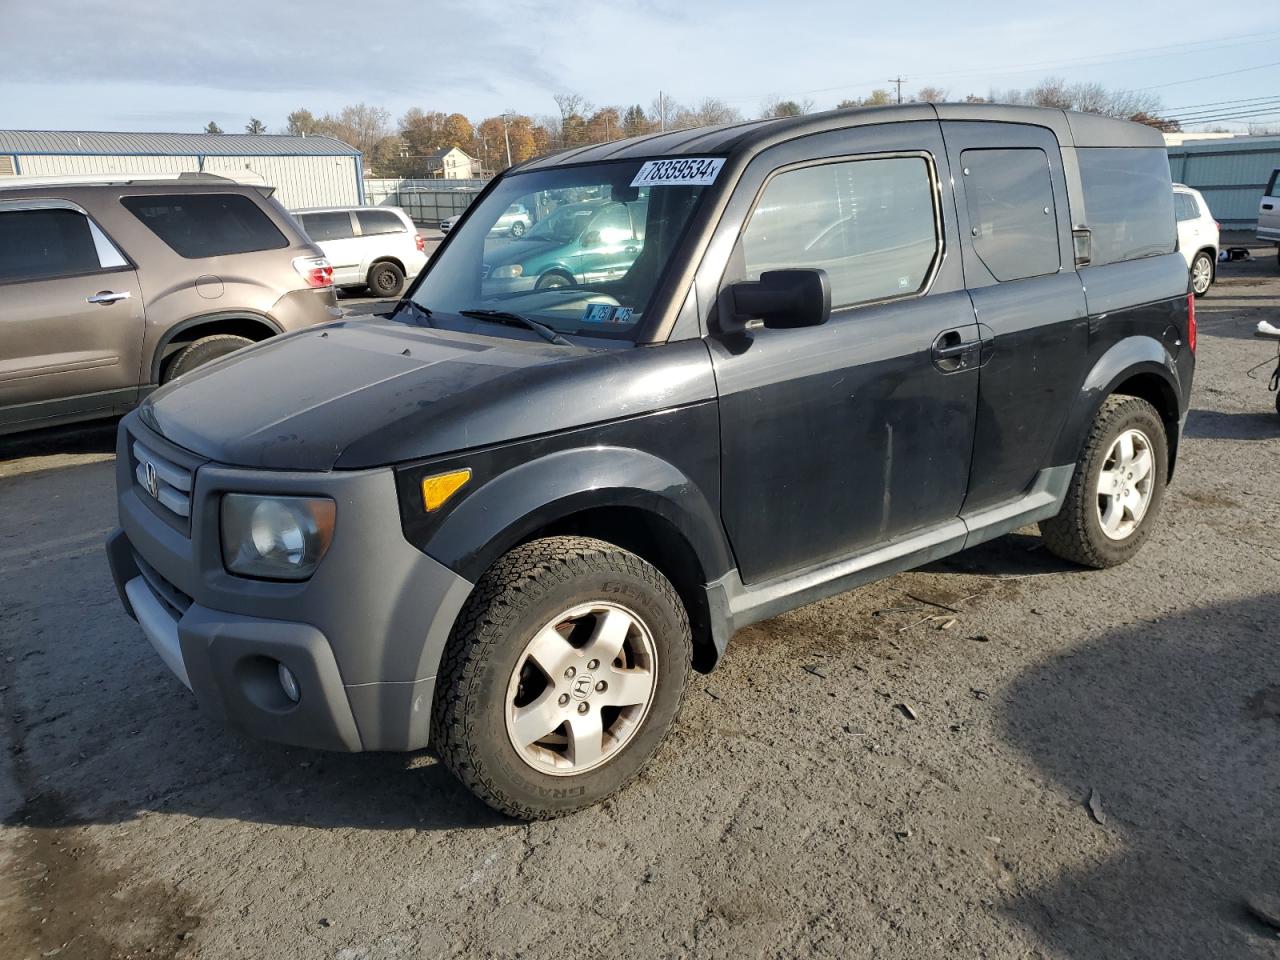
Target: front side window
[
  {"x": 587, "y": 259},
  {"x": 328, "y": 226},
  {"x": 872, "y": 225},
  {"x": 46, "y": 243},
  {"x": 198, "y": 225},
  {"x": 1128, "y": 201},
  {"x": 1012, "y": 215},
  {"x": 379, "y": 221},
  {"x": 1273, "y": 188}
]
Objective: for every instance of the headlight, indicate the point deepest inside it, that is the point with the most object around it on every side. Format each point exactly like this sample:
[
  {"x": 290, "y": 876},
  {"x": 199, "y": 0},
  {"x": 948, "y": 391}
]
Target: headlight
[
  {"x": 509, "y": 271},
  {"x": 276, "y": 538}
]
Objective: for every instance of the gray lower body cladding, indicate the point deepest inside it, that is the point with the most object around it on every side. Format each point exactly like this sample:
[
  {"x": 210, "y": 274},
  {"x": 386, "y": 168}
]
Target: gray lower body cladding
[{"x": 363, "y": 636}]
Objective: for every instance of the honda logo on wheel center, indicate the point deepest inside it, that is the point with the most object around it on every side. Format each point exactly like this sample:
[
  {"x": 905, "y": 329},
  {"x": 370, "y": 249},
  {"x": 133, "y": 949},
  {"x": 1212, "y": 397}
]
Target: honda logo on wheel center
[{"x": 582, "y": 685}]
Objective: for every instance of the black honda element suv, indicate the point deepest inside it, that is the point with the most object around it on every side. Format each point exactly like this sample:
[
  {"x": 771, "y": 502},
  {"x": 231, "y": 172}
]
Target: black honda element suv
[{"x": 780, "y": 359}]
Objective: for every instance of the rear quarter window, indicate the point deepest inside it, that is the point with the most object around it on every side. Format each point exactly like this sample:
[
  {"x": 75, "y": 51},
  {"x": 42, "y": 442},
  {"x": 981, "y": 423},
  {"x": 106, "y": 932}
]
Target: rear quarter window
[
  {"x": 200, "y": 225},
  {"x": 374, "y": 222},
  {"x": 1128, "y": 200},
  {"x": 1185, "y": 207}
]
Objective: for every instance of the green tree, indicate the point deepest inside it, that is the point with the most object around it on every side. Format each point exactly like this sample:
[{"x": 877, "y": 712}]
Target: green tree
[
  {"x": 635, "y": 122},
  {"x": 212, "y": 127},
  {"x": 255, "y": 126},
  {"x": 303, "y": 123}
]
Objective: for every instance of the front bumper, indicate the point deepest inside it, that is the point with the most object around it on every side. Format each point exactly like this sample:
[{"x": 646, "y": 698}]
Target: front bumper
[{"x": 363, "y": 637}]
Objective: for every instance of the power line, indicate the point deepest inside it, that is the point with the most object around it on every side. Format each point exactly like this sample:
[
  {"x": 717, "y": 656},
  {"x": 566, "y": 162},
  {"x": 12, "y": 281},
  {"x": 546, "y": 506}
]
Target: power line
[{"x": 1211, "y": 76}]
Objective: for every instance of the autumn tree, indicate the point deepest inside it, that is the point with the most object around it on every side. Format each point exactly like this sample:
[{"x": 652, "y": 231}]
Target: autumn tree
[
  {"x": 774, "y": 107},
  {"x": 604, "y": 125}
]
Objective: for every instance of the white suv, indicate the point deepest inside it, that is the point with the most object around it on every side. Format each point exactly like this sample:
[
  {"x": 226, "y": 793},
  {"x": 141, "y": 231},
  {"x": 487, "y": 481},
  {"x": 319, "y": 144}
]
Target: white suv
[
  {"x": 1197, "y": 237},
  {"x": 374, "y": 247}
]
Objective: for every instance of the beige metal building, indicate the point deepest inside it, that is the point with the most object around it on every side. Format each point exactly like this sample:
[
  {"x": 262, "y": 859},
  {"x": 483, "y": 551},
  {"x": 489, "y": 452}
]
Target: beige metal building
[{"x": 306, "y": 171}]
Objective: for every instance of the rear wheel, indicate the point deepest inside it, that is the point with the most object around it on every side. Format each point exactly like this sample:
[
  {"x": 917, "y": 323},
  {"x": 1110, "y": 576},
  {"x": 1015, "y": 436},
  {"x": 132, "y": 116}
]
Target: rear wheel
[
  {"x": 203, "y": 351},
  {"x": 517, "y": 229},
  {"x": 1201, "y": 274},
  {"x": 385, "y": 279},
  {"x": 1117, "y": 488},
  {"x": 562, "y": 676}
]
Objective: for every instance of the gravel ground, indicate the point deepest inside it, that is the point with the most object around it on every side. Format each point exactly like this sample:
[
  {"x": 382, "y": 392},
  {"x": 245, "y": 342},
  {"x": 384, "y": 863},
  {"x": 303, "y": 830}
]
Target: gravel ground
[{"x": 854, "y": 780}]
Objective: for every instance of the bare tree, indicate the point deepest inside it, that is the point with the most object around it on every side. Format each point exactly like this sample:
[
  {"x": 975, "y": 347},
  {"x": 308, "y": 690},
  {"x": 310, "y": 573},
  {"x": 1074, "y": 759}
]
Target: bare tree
[
  {"x": 930, "y": 95},
  {"x": 569, "y": 104}
]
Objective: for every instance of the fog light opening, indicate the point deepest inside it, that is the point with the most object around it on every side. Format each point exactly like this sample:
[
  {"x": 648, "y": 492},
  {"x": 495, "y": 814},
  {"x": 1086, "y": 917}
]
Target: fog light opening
[{"x": 288, "y": 682}]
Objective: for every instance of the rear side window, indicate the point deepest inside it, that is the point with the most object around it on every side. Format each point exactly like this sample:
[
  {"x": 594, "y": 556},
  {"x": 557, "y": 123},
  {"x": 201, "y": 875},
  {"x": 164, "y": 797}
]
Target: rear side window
[
  {"x": 870, "y": 224},
  {"x": 1128, "y": 202},
  {"x": 1185, "y": 207},
  {"x": 379, "y": 221},
  {"x": 1014, "y": 223},
  {"x": 199, "y": 225},
  {"x": 328, "y": 226},
  {"x": 36, "y": 244}
]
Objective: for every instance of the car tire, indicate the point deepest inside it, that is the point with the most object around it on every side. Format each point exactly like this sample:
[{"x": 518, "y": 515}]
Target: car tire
[
  {"x": 203, "y": 351},
  {"x": 520, "y": 658},
  {"x": 385, "y": 280},
  {"x": 517, "y": 229},
  {"x": 1201, "y": 273},
  {"x": 1113, "y": 499},
  {"x": 553, "y": 281}
]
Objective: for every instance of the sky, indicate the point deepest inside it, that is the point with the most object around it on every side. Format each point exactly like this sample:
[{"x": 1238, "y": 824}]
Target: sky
[{"x": 173, "y": 65}]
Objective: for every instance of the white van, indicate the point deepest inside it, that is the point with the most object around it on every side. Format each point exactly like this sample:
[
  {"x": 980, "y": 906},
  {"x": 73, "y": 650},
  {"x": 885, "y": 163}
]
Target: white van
[
  {"x": 374, "y": 247},
  {"x": 1269, "y": 211},
  {"x": 1198, "y": 237}
]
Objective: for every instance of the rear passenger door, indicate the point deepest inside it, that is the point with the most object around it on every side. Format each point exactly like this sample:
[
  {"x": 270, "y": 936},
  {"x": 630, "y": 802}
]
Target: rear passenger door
[
  {"x": 1019, "y": 268},
  {"x": 839, "y": 438},
  {"x": 71, "y": 315},
  {"x": 336, "y": 235}
]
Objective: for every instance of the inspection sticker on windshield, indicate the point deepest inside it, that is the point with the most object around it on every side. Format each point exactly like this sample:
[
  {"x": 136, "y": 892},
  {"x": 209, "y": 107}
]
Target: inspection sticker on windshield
[
  {"x": 687, "y": 172},
  {"x": 606, "y": 313}
]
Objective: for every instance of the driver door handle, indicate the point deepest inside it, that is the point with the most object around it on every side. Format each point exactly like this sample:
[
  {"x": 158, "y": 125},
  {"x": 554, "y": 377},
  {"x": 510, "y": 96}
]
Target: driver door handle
[
  {"x": 107, "y": 296},
  {"x": 952, "y": 352}
]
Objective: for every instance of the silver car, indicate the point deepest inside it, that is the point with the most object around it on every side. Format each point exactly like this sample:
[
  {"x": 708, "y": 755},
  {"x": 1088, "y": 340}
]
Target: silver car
[{"x": 514, "y": 222}]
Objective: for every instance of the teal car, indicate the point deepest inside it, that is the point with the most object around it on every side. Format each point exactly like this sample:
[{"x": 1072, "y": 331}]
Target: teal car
[{"x": 576, "y": 244}]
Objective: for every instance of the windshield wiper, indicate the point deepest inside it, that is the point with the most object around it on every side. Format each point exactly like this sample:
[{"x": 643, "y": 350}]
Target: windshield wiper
[
  {"x": 518, "y": 320},
  {"x": 422, "y": 311}
]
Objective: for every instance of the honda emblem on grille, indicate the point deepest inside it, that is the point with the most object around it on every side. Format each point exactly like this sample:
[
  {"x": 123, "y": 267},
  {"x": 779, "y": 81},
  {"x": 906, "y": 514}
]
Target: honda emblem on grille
[{"x": 153, "y": 481}]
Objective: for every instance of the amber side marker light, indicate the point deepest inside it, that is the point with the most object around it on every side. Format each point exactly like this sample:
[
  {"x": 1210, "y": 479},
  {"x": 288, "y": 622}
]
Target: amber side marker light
[{"x": 437, "y": 490}]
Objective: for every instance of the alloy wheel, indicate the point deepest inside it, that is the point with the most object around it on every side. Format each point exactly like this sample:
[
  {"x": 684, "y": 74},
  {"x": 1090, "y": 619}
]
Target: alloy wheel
[
  {"x": 1201, "y": 275},
  {"x": 1125, "y": 484},
  {"x": 581, "y": 689}
]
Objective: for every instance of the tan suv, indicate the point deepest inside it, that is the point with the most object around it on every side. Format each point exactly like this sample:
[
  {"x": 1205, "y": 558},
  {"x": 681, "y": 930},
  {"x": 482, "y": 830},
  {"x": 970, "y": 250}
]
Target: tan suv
[{"x": 109, "y": 289}]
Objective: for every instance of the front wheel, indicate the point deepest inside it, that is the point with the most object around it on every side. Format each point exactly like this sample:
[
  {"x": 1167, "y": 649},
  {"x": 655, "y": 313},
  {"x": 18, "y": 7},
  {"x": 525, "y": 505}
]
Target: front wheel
[
  {"x": 1117, "y": 488},
  {"x": 1201, "y": 274},
  {"x": 517, "y": 229},
  {"x": 562, "y": 676},
  {"x": 553, "y": 281}
]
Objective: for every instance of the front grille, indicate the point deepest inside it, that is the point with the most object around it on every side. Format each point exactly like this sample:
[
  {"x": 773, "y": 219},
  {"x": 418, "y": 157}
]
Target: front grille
[
  {"x": 174, "y": 599},
  {"x": 162, "y": 480}
]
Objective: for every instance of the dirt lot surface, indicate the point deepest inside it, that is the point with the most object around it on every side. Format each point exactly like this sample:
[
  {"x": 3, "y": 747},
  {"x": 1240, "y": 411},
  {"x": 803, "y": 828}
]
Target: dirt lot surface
[{"x": 852, "y": 781}]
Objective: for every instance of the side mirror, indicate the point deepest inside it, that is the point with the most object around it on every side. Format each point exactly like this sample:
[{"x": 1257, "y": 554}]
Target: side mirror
[
  {"x": 591, "y": 238},
  {"x": 784, "y": 298}
]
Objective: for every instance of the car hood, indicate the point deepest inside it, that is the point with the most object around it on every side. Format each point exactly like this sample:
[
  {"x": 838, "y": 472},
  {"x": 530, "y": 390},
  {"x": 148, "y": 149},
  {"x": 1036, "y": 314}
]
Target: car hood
[{"x": 364, "y": 393}]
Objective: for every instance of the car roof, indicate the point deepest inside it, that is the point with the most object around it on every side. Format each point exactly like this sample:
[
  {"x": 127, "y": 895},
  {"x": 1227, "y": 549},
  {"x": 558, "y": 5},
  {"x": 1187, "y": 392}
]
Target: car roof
[
  {"x": 745, "y": 139},
  {"x": 343, "y": 208},
  {"x": 140, "y": 186}
]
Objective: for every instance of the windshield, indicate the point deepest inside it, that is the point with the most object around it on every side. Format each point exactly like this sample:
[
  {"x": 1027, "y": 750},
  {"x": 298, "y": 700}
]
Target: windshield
[{"x": 576, "y": 248}]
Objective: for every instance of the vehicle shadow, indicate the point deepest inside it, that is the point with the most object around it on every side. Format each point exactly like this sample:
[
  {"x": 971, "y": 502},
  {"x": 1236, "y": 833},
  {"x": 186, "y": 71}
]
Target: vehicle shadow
[
  {"x": 1176, "y": 725},
  {"x": 98, "y": 436},
  {"x": 1013, "y": 555},
  {"x": 1247, "y": 425}
]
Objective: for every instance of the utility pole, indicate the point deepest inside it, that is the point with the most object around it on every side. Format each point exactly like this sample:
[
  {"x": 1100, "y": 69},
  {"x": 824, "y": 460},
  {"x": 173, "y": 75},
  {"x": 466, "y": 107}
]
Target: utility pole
[
  {"x": 507, "y": 137},
  {"x": 662, "y": 113},
  {"x": 899, "y": 81}
]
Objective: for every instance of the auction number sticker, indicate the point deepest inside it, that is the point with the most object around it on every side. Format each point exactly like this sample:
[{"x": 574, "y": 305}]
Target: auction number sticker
[{"x": 685, "y": 172}]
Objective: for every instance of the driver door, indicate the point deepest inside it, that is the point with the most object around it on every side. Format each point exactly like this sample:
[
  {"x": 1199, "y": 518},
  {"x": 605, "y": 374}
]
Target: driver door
[{"x": 608, "y": 246}]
